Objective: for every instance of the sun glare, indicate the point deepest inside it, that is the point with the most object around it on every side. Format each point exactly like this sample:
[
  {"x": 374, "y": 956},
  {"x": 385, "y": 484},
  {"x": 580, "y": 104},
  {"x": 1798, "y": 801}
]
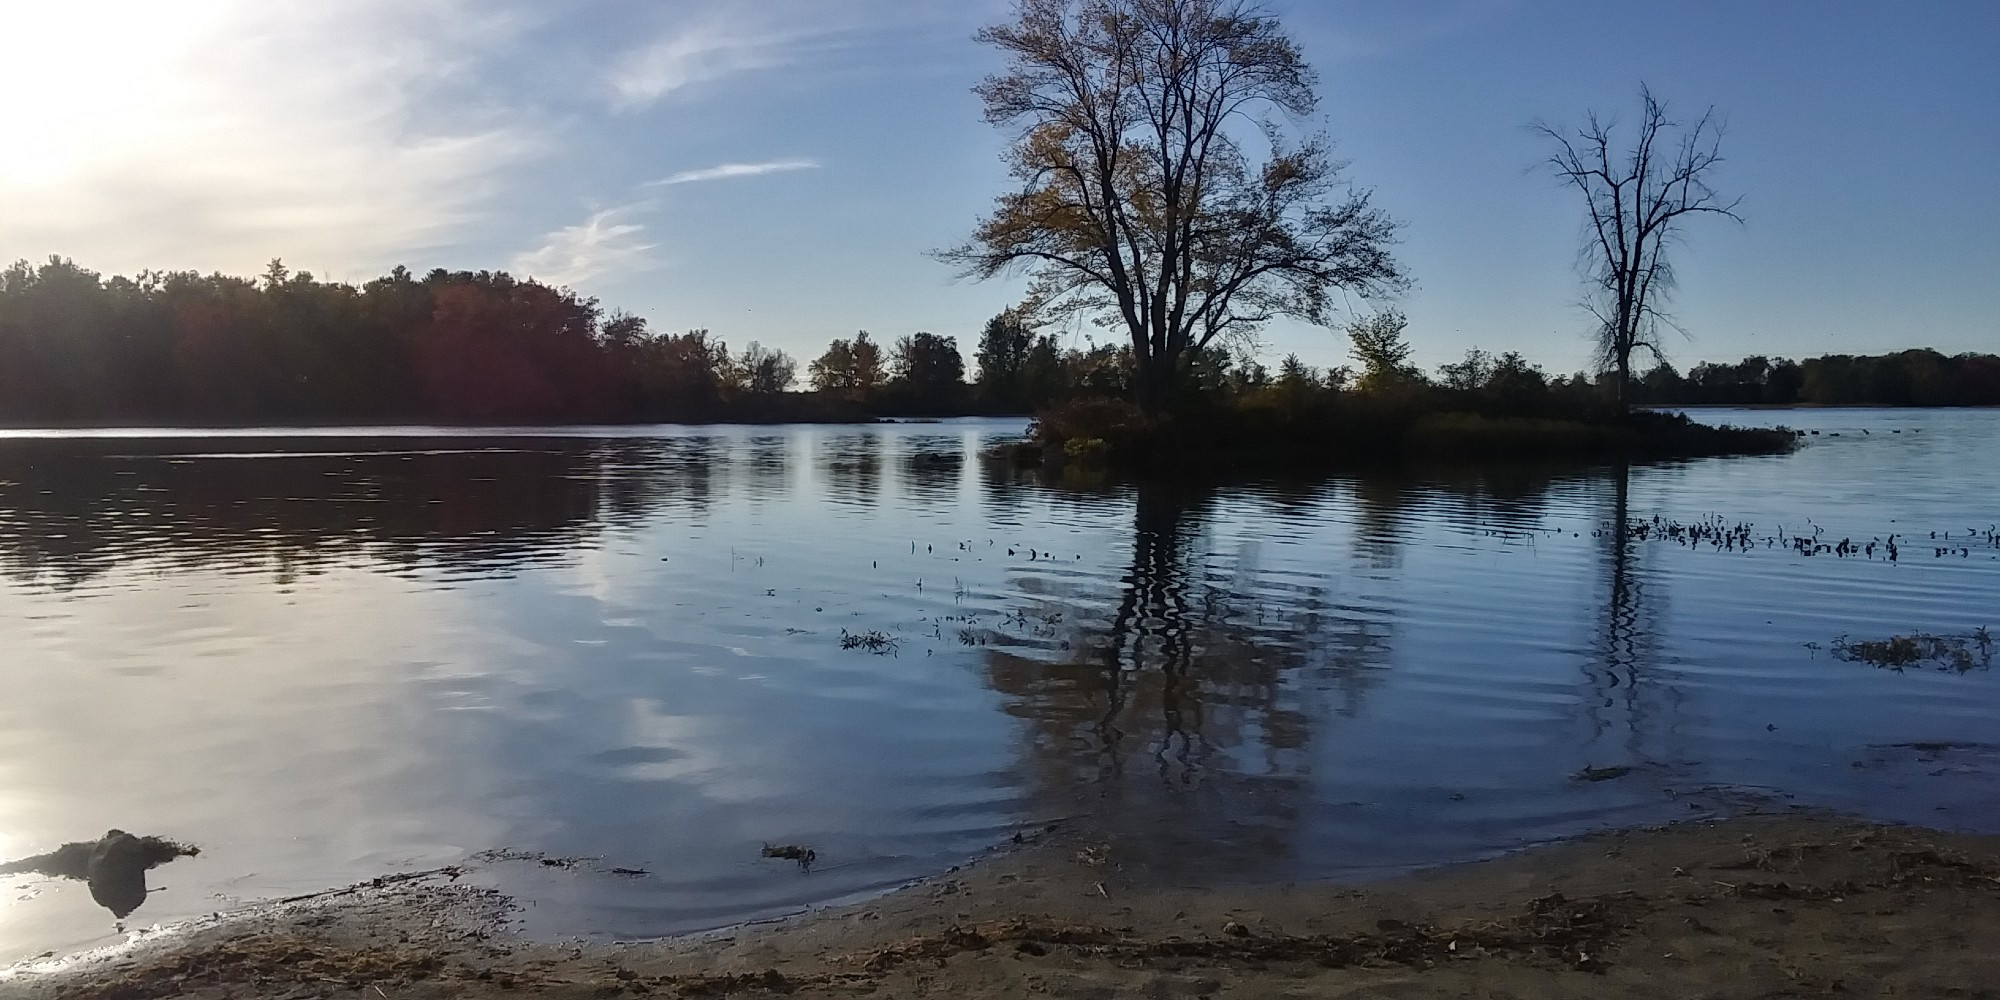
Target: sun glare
[{"x": 101, "y": 72}]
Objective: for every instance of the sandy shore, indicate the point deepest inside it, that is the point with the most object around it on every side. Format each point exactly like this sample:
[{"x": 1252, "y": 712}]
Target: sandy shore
[{"x": 1757, "y": 907}]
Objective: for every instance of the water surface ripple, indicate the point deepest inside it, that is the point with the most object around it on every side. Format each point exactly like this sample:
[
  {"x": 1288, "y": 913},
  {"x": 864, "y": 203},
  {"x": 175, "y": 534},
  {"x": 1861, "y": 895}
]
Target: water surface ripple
[{"x": 322, "y": 657}]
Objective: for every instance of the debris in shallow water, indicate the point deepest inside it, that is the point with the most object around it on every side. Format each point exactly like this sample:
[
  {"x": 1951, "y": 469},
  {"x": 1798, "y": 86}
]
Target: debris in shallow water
[
  {"x": 805, "y": 856},
  {"x": 1600, "y": 773}
]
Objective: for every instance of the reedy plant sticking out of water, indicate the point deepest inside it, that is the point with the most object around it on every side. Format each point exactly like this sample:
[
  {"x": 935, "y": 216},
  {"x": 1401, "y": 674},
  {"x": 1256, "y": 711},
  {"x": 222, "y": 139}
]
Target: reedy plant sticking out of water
[{"x": 879, "y": 643}]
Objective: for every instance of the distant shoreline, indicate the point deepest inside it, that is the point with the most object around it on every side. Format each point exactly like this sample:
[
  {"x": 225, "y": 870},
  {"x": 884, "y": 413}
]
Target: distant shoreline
[
  {"x": 1816, "y": 406},
  {"x": 164, "y": 430}
]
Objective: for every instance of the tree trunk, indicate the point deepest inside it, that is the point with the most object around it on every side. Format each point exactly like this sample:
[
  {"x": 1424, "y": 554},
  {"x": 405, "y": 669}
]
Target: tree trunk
[
  {"x": 1623, "y": 387},
  {"x": 1156, "y": 385}
]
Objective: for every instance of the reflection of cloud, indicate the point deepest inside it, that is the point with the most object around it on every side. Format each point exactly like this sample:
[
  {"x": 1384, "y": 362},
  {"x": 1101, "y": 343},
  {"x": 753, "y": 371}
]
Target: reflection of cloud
[
  {"x": 732, "y": 170},
  {"x": 594, "y": 248},
  {"x": 221, "y": 134},
  {"x": 291, "y": 745}
]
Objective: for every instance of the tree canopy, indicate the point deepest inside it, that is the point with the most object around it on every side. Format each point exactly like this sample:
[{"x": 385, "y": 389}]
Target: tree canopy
[
  {"x": 1140, "y": 202},
  {"x": 851, "y": 368}
]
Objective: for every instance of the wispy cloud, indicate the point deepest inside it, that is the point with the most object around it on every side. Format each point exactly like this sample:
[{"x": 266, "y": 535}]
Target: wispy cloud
[
  {"x": 226, "y": 133},
  {"x": 601, "y": 246},
  {"x": 724, "y": 170},
  {"x": 692, "y": 55},
  {"x": 704, "y": 41}
]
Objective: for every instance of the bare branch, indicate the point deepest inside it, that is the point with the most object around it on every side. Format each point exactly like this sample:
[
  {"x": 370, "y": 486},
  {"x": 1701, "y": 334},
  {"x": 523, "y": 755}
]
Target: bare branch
[{"x": 1633, "y": 212}]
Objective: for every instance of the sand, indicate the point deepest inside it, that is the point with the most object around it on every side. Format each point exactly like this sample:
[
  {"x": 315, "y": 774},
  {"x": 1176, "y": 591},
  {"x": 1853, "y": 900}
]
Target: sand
[{"x": 1756, "y": 907}]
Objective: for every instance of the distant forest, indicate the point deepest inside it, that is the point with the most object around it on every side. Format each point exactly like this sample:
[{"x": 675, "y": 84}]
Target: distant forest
[
  {"x": 465, "y": 347},
  {"x": 285, "y": 348},
  {"x": 461, "y": 347},
  {"x": 1906, "y": 378}
]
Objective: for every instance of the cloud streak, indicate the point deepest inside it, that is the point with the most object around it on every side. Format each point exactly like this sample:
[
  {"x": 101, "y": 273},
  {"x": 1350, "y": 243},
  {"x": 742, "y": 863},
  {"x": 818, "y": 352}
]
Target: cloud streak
[
  {"x": 691, "y": 56},
  {"x": 705, "y": 41},
  {"x": 727, "y": 170},
  {"x": 601, "y": 246}
]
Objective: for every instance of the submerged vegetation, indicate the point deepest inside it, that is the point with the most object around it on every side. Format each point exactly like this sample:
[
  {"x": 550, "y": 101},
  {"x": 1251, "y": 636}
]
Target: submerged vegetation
[{"x": 1948, "y": 653}]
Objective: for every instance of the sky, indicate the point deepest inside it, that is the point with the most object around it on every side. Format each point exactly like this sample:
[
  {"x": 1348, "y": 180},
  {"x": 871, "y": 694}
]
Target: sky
[{"x": 781, "y": 170}]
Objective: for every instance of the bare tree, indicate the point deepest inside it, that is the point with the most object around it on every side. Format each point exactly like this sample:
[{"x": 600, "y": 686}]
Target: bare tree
[
  {"x": 1636, "y": 200},
  {"x": 1139, "y": 205}
]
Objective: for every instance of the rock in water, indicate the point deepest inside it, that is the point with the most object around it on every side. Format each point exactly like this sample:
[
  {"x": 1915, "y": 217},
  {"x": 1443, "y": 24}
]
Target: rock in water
[{"x": 117, "y": 872}]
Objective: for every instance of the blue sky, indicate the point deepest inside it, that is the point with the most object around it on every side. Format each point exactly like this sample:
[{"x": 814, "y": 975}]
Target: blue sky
[{"x": 778, "y": 170}]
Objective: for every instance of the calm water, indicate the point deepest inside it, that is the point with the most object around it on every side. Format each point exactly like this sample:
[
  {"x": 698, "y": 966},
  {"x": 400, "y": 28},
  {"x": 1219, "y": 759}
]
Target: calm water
[{"x": 323, "y": 658}]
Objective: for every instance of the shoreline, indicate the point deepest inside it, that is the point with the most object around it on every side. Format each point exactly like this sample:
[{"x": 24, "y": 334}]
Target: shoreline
[{"x": 1753, "y": 906}]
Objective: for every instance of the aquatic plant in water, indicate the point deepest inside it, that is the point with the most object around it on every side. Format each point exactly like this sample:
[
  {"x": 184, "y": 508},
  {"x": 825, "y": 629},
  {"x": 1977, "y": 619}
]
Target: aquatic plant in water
[
  {"x": 879, "y": 643},
  {"x": 1957, "y": 653}
]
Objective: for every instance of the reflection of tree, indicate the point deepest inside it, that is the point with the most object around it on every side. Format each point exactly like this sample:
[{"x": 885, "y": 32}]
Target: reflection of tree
[
  {"x": 853, "y": 467},
  {"x": 1181, "y": 722},
  {"x": 932, "y": 469},
  {"x": 1378, "y": 501},
  {"x": 71, "y": 509},
  {"x": 761, "y": 464},
  {"x": 636, "y": 475},
  {"x": 1626, "y": 649}
]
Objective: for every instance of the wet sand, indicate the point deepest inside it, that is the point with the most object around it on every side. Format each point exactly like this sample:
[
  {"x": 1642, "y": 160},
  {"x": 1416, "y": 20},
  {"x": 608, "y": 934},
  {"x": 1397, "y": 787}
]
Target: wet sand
[{"x": 1756, "y": 907}]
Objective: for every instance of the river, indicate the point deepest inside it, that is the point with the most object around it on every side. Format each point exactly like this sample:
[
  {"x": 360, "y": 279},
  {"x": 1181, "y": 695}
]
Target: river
[{"x": 554, "y": 655}]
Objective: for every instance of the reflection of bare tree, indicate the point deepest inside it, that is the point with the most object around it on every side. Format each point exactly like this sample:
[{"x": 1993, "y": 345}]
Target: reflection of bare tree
[
  {"x": 1627, "y": 644},
  {"x": 1181, "y": 722}
]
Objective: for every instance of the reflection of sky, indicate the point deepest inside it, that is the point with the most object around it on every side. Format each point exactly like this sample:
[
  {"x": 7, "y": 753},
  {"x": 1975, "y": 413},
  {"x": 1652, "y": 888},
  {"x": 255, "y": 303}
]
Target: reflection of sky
[
  {"x": 641, "y": 663},
  {"x": 275, "y": 730}
]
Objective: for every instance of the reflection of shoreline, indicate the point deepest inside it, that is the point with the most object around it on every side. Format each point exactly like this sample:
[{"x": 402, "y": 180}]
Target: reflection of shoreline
[{"x": 72, "y": 510}]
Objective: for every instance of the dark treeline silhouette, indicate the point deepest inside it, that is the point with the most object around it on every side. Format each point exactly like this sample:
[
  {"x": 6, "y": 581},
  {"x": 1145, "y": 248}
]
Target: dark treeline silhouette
[
  {"x": 1234, "y": 410},
  {"x": 1918, "y": 377},
  {"x": 452, "y": 346}
]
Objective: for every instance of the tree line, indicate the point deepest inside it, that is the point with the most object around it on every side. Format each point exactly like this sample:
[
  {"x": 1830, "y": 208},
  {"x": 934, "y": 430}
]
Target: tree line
[
  {"x": 77, "y": 348},
  {"x": 461, "y": 347},
  {"x": 451, "y": 346},
  {"x": 1918, "y": 377}
]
